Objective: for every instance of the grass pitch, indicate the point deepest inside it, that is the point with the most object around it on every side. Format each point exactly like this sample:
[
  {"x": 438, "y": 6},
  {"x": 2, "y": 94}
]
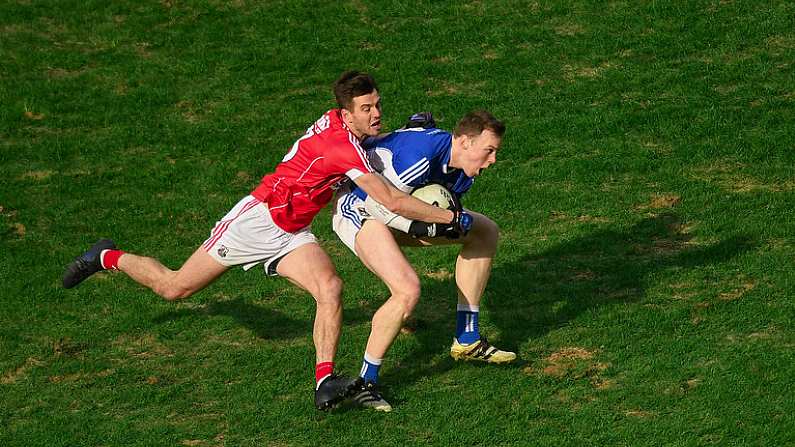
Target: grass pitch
[{"x": 645, "y": 191}]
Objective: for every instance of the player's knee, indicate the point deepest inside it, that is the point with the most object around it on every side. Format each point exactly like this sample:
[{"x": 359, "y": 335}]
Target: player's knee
[
  {"x": 408, "y": 294},
  {"x": 174, "y": 292},
  {"x": 485, "y": 233},
  {"x": 329, "y": 291}
]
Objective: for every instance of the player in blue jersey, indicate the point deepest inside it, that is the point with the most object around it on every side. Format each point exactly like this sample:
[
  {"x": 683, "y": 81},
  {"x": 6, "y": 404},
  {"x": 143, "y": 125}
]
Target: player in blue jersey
[{"x": 409, "y": 158}]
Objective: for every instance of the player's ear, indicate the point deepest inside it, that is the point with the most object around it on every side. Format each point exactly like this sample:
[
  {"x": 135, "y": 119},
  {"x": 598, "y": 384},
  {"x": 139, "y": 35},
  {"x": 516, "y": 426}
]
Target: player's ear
[
  {"x": 347, "y": 117},
  {"x": 467, "y": 141}
]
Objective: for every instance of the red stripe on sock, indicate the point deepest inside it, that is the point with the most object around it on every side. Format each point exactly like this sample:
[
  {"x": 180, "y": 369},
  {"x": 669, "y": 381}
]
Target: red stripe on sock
[
  {"x": 110, "y": 259},
  {"x": 322, "y": 370}
]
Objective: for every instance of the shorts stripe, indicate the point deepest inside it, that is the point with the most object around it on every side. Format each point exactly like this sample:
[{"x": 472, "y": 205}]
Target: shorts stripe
[
  {"x": 348, "y": 213},
  {"x": 222, "y": 226}
]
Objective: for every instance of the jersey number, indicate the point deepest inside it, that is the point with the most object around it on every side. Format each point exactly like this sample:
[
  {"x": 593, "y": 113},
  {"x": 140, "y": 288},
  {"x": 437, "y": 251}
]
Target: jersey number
[{"x": 319, "y": 126}]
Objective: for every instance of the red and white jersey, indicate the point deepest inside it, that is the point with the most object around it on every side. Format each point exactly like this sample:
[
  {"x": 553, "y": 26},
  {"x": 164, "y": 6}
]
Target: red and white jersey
[{"x": 305, "y": 180}]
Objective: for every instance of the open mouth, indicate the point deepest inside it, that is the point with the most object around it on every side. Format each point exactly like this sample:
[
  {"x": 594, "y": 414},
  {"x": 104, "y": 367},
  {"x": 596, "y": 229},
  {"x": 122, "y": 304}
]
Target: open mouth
[{"x": 376, "y": 125}]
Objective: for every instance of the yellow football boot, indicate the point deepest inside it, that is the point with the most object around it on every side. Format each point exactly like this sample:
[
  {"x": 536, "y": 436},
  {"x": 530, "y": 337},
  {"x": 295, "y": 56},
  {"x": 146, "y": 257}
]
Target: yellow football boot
[{"x": 480, "y": 350}]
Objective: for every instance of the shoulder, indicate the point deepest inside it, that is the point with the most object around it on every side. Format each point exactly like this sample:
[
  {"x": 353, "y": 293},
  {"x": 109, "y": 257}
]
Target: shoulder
[{"x": 426, "y": 142}]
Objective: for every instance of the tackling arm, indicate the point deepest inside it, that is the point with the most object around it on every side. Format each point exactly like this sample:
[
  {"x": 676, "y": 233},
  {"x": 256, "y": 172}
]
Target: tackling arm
[{"x": 398, "y": 202}]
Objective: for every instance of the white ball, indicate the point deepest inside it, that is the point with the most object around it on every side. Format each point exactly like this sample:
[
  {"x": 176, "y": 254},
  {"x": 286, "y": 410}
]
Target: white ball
[{"x": 436, "y": 195}]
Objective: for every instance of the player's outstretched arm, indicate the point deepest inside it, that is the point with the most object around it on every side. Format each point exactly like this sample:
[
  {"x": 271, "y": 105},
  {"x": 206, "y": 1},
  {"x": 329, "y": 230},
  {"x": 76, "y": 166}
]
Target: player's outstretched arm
[{"x": 400, "y": 203}]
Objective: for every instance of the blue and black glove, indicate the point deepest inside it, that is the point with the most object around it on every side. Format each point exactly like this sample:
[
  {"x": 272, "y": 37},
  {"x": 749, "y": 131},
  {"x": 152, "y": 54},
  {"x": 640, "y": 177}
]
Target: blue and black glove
[{"x": 460, "y": 225}]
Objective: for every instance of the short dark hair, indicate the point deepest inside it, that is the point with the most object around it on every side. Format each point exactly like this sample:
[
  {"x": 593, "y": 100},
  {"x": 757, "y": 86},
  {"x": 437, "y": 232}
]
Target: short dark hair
[
  {"x": 352, "y": 84},
  {"x": 475, "y": 122}
]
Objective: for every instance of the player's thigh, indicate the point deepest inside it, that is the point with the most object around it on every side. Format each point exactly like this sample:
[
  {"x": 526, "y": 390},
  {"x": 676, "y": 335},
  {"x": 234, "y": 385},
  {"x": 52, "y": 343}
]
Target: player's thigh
[
  {"x": 379, "y": 252},
  {"x": 197, "y": 272},
  {"x": 310, "y": 268}
]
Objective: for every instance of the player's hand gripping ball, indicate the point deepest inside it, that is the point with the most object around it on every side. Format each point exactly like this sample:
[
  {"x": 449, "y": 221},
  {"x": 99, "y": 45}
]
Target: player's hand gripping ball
[{"x": 437, "y": 195}]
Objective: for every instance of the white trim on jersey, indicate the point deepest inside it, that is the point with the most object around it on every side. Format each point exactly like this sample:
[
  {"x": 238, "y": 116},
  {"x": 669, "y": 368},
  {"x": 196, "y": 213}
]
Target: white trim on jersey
[
  {"x": 360, "y": 151},
  {"x": 408, "y": 177},
  {"x": 410, "y": 129},
  {"x": 308, "y": 168},
  {"x": 354, "y": 173},
  {"x": 411, "y": 169}
]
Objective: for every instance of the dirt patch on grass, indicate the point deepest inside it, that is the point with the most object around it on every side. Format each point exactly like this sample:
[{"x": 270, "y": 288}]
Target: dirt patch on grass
[
  {"x": 243, "y": 178},
  {"x": 440, "y": 275},
  {"x": 639, "y": 414},
  {"x": 18, "y": 229},
  {"x": 33, "y": 116},
  {"x": 37, "y": 175},
  {"x": 67, "y": 347},
  {"x": 80, "y": 376},
  {"x": 660, "y": 201},
  {"x": 558, "y": 216},
  {"x": 569, "y": 29},
  {"x": 144, "y": 346},
  {"x": 491, "y": 55},
  {"x": 738, "y": 292},
  {"x": 583, "y": 275},
  {"x": 446, "y": 88},
  {"x": 602, "y": 384},
  {"x": 730, "y": 177},
  {"x": 573, "y": 72},
  {"x": 20, "y": 372},
  {"x": 572, "y": 361},
  {"x": 370, "y": 46}
]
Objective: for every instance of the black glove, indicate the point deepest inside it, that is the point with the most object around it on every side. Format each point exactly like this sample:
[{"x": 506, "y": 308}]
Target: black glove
[
  {"x": 422, "y": 119},
  {"x": 419, "y": 228},
  {"x": 460, "y": 225}
]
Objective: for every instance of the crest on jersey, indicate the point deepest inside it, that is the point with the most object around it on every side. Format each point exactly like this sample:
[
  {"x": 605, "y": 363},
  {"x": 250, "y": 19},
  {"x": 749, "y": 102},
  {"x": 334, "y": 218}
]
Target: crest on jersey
[{"x": 223, "y": 251}]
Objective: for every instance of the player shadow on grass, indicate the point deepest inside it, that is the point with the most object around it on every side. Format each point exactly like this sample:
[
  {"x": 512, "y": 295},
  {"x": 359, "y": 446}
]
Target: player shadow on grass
[
  {"x": 267, "y": 323},
  {"x": 542, "y": 291}
]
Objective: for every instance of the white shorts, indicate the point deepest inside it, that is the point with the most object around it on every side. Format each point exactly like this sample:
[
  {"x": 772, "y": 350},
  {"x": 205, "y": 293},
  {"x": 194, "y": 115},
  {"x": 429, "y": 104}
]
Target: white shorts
[
  {"x": 248, "y": 236},
  {"x": 347, "y": 218}
]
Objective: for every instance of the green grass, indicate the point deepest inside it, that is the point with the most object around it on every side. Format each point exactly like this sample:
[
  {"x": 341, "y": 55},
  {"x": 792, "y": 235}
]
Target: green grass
[{"x": 644, "y": 190}]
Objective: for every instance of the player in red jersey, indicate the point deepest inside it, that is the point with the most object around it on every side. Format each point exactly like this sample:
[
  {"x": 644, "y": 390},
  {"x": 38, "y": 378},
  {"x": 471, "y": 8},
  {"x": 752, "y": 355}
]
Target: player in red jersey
[{"x": 272, "y": 225}]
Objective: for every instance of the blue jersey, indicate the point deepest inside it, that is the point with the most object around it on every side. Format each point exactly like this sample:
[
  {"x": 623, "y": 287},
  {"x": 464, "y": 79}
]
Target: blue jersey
[{"x": 411, "y": 158}]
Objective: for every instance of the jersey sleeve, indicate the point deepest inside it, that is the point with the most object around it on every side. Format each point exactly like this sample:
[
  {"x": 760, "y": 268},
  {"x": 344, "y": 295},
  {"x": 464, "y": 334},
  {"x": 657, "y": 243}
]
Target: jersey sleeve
[{"x": 348, "y": 158}]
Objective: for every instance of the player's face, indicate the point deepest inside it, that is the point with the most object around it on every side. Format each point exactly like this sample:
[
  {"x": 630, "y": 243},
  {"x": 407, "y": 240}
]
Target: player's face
[
  {"x": 365, "y": 118},
  {"x": 480, "y": 152}
]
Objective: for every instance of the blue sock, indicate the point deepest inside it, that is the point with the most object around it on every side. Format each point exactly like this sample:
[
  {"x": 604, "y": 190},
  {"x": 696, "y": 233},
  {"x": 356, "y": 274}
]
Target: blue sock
[
  {"x": 466, "y": 328},
  {"x": 370, "y": 368}
]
